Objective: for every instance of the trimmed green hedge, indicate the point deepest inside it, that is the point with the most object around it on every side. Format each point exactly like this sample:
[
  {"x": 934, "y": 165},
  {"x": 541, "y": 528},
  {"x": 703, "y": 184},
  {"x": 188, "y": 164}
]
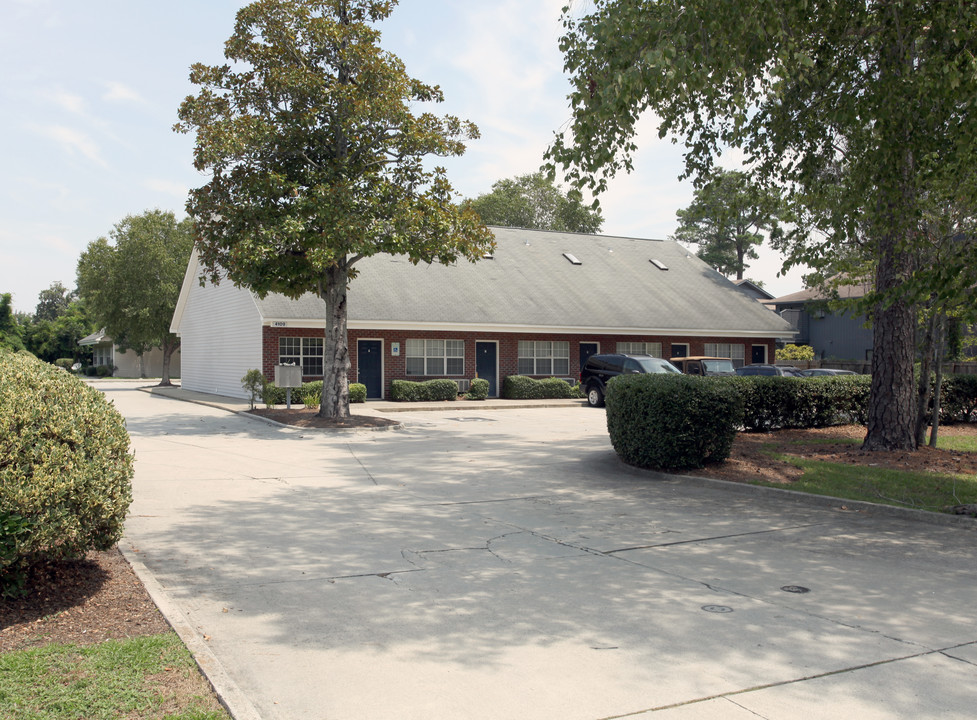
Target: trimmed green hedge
[
  {"x": 958, "y": 398},
  {"x": 274, "y": 395},
  {"x": 479, "y": 389},
  {"x": 65, "y": 467},
  {"x": 520, "y": 387},
  {"x": 357, "y": 393},
  {"x": 672, "y": 422},
  {"x": 429, "y": 390},
  {"x": 779, "y": 402}
]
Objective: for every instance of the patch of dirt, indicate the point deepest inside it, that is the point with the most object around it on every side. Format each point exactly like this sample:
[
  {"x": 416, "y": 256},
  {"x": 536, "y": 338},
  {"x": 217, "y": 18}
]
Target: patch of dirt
[
  {"x": 304, "y": 417},
  {"x": 749, "y": 459}
]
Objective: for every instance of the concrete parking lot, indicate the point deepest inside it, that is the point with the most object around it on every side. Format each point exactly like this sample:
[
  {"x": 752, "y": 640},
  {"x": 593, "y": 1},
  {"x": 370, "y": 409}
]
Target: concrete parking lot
[{"x": 503, "y": 564}]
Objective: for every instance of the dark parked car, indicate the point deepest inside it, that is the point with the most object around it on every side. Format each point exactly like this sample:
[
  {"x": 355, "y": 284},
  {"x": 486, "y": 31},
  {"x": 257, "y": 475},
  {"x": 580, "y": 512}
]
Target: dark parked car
[
  {"x": 758, "y": 369},
  {"x": 599, "y": 369},
  {"x": 815, "y": 372},
  {"x": 701, "y": 365}
]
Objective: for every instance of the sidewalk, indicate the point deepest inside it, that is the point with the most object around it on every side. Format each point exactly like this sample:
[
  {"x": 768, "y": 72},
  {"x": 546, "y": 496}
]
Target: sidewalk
[{"x": 370, "y": 407}]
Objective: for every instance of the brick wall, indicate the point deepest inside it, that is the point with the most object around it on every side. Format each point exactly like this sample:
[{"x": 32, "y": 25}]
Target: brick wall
[{"x": 394, "y": 366}]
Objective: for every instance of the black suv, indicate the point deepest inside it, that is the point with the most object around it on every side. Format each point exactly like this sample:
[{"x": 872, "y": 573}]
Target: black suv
[{"x": 598, "y": 369}]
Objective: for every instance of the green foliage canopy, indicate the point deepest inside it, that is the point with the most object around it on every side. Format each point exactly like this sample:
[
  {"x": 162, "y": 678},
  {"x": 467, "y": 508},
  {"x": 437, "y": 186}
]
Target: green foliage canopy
[
  {"x": 727, "y": 219},
  {"x": 131, "y": 287},
  {"x": 10, "y": 330},
  {"x": 534, "y": 201},
  {"x": 864, "y": 112},
  {"x": 317, "y": 160},
  {"x": 53, "y": 302}
]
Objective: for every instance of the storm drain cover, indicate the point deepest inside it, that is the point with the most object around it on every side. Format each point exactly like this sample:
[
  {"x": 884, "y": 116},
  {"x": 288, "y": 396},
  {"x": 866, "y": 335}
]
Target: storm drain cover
[
  {"x": 717, "y": 608},
  {"x": 472, "y": 419},
  {"x": 800, "y": 590}
]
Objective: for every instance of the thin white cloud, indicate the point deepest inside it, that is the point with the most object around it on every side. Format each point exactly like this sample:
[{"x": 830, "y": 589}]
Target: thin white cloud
[
  {"x": 66, "y": 100},
  {"x": 119, "y": 92},
  {"x": 74, "y": 142}
]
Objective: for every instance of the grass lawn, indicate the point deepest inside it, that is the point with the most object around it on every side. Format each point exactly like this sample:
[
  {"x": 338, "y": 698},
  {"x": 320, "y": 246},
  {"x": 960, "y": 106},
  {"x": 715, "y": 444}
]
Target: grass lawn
[
  {"x": 902, "y": 488},
  {"x": 113, "y": 679}
]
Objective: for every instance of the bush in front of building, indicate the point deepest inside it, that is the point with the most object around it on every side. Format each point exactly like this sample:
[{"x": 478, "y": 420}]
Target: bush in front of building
[
  {"x": 958, "y": 398},
  {"x": 478, "y": 390},
  {"x": 790, "y": 353},
  {"x": 65, "y": 468},
  {"x": 357, "y": 393},
  {"x": 427, "y": 391},
  {"x": 520, "y": 387},
  {"x": 780, "y": 402},
  {"x": 672, "y": 422}
]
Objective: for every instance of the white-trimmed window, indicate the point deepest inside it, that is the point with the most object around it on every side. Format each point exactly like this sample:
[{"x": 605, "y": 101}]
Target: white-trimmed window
[
  {"x": 102, "y": 355},
  {"x": 306, "y": 352},
  {"x": 736, "y": 353},
  {"x": 640, "y": 348},
  {"x": 435, "y": 357},
  {"x": 544, "y": 357}
]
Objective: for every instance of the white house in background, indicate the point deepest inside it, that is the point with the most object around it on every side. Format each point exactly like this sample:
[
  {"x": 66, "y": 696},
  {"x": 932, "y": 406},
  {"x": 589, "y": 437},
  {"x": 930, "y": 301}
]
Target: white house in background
[
  {"x": 127, "y": 363},
  {"x": 539, "y": 306}
]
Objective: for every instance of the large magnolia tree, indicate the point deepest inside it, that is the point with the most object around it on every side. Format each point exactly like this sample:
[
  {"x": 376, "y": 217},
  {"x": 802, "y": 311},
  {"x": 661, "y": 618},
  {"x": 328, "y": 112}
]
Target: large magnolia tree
[
  {"x": 317, "y": 161},
  {"x": 865, "y": 111}
]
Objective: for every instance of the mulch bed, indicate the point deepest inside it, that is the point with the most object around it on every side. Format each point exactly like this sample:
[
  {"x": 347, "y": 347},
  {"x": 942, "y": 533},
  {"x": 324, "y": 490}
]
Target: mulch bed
[
  {"x": 304, "y": 417},
  {"x": 80, "y": 602}
]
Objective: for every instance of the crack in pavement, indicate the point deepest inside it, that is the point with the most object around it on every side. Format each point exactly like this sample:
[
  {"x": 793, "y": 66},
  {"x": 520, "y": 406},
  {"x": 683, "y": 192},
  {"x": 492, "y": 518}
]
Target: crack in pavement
[{"x": 782, "y": 683}]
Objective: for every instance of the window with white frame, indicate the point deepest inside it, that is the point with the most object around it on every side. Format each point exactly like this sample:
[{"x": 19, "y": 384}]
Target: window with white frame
[
  {"x": 736, "y": 353},
  {"x": 640, "y": 348},
  {"x": 435, "y": 357},
  {"x": 102, "y": 355},
  {"x": 544, "y": 357},
  {"x": 306, "y": 352}
]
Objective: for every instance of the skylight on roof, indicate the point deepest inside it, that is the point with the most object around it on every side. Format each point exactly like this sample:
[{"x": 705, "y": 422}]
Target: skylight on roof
[
  {"x": 572, "y": 258},
  {"x": 658, "y": 264}
]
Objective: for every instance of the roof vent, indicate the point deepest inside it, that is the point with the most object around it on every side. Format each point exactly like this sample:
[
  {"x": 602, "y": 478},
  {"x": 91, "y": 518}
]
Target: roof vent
[
  {"x": 659, "y": 264},
  {"x": 572, "y": 258}
]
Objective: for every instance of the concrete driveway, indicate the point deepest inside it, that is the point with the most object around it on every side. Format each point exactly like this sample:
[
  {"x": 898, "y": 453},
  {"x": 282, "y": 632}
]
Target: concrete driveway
[{"x": 502, "y": 564}]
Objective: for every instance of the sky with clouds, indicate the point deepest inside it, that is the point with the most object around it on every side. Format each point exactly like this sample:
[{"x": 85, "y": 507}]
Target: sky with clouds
[{"x": 90, "y": 93}]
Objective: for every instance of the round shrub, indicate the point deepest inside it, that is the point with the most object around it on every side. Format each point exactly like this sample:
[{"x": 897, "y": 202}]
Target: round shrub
[
  {"x": 406, "y": 391},
  {"x": 479, "y": 389},
  {"x": 65, "y": 467},
  {"x": 104, "y": 371},
  {"x": 442, "y": 389},
  {"x": 556, "y": 388},
  {"x": 520, "y": 387},
  {"x": 672, "y": 422},
  {"x": 357, "y": 393}
]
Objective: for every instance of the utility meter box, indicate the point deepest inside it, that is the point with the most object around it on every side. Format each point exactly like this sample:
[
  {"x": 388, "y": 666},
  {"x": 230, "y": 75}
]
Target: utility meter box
[{"x": 288, "y": 376}]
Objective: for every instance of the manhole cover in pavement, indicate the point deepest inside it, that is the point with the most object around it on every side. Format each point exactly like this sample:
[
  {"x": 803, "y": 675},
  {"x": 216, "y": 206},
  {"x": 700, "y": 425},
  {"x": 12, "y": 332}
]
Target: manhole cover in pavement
[
  {"x": 800, "y": 590},
  {"x": 717, "y": 608},
  {"x": 471, "y": 419}
]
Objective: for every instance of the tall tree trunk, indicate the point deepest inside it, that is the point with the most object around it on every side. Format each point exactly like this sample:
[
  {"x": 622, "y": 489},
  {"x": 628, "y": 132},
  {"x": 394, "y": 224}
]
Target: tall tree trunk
[
  {"x": 891, "y": 412},
  {"x": 335, "y": 379}
]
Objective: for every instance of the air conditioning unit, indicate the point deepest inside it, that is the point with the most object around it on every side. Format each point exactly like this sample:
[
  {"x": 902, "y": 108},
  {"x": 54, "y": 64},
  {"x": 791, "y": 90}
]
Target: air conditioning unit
[{"x": 464, "y": 385}]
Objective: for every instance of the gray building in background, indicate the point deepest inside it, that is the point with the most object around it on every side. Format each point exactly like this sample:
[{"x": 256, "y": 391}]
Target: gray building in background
[{"x": 834, "y": 335}]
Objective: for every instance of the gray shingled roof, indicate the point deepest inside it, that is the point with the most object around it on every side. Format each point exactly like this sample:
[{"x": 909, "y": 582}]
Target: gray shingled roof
[{"x": 529, "y": 283}]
